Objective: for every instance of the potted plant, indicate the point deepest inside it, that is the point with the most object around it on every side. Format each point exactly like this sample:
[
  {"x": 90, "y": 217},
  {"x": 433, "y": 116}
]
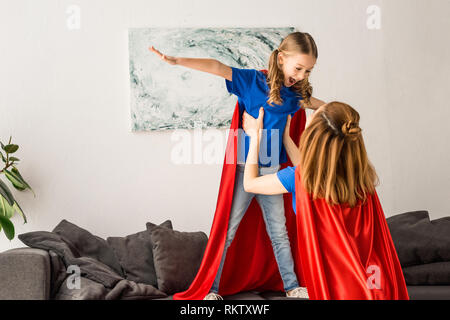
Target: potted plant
[{"x": 8, "y": 205}]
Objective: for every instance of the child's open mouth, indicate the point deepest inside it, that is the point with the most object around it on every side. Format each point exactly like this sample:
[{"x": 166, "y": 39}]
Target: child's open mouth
[{"x": 291, "y": 81}]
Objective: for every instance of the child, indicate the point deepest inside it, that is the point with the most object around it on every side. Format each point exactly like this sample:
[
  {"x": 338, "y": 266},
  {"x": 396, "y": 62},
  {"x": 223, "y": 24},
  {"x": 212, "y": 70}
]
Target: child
[
  {"x": 347, "y": 250},
  {"x": 281, "y": 92}
]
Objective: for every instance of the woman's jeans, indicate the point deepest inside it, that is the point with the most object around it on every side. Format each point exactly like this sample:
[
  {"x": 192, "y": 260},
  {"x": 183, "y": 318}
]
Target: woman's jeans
[{"x": 272, "y": 207}]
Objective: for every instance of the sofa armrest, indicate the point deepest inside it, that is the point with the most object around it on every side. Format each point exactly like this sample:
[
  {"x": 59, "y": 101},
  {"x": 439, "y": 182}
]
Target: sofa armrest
[{"x": 25, "y": 274}]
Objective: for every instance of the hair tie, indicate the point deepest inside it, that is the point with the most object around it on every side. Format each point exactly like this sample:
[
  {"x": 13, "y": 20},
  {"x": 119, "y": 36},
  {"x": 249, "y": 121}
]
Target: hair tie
[{"x": 351, "y": 129}]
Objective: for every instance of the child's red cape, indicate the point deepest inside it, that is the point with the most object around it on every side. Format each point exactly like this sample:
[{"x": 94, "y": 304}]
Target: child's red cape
[
  {"x": 344, "y": 250},
  {"x": 250, "y": 262}
]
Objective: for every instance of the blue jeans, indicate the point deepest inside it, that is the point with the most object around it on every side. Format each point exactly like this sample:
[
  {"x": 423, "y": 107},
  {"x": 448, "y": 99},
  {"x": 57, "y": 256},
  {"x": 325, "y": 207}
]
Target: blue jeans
[{"x": 272, "y": 207}]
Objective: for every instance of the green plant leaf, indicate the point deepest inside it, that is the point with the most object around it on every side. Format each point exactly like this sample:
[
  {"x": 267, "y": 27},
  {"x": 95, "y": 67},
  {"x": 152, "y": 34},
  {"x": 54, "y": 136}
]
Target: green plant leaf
[
  {"x": 3, "y": 157},
  {"x": 5, "y": 209},
  {"x": 11, "y": 148},
  {"x": 19, "y": 176},
  {"x": 4, "y": 191},
  {"x": 19, "y": 209},
  {"x": 14, "y": 159},
  {"x": 15, "y": 171},
  {"x": 8, "y": 227},
  {"x": 2, "y": 206},
  {"x": 16, "y": 181}
]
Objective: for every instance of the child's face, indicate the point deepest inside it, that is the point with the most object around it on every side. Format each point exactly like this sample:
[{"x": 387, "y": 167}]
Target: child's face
[{"x": 295, "y": 67}]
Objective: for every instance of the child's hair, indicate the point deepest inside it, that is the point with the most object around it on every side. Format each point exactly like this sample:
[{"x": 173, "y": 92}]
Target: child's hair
[
  {"x": 296, "y": 42},
  {"x": 333, "y": 159}
]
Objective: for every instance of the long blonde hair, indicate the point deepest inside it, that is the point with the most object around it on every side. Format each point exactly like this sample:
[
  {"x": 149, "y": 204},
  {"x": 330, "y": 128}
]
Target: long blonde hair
[
  {"x": 298, "y": 42},
  {"x": 333, "y": 158}
]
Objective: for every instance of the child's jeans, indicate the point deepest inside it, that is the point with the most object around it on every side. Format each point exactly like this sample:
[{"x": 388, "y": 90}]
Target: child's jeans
[{"x": 272, "y": 207}]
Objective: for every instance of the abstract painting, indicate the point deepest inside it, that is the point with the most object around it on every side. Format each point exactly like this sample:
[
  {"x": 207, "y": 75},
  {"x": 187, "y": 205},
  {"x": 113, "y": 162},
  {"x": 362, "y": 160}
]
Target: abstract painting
[{"x": 165, "y": 96}]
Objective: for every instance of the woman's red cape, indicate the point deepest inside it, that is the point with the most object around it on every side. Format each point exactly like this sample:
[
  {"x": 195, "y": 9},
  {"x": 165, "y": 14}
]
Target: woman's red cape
[
  {"x": 347, "y": 253},
  {"x": 250, "y": 263}
]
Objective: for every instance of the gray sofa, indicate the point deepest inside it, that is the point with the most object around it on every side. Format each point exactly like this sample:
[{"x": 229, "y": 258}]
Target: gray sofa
[
  {"x": 31, "y": 274},
  {"x": 155, "y": 263}
]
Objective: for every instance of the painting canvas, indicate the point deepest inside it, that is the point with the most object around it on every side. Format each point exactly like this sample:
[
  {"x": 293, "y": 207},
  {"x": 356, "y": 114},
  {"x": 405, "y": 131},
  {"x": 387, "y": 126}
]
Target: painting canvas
[{"x": 165, "y": 96}]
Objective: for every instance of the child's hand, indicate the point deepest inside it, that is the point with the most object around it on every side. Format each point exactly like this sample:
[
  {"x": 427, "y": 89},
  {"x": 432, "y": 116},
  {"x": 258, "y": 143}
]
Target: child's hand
[
  {"x": 168, "y": 59},
  {"x": 287, "y": 128},
  {"x": 251, "y": 125}
]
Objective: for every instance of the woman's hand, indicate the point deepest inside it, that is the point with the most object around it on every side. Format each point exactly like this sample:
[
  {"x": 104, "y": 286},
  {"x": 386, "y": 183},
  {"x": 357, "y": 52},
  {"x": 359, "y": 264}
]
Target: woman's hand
[
  {"x": 287, "y": 128},
  {"x": 168, "y": 59},
  {"x": 291, "y": 148},
  {"x": 252, "y": 126}
]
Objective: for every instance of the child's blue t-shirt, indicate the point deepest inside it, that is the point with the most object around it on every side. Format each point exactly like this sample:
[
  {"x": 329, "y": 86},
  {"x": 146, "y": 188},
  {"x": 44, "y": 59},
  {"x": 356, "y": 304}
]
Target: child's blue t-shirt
[
  {"x": 287, "y": 179},
  {"x": 251, "y": 88}
]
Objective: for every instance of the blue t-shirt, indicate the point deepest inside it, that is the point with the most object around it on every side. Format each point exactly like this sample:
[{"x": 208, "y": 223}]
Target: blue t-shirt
[
  {"x": 287, "y": 179},
  {"x": 251, "y": 88}
]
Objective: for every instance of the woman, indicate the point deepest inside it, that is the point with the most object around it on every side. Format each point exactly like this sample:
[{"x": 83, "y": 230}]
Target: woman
[{"x": 344, "y": 244}]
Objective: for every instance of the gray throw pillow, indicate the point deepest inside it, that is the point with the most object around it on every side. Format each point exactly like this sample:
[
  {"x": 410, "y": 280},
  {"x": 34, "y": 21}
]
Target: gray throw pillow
[
  {"x": 177, "y": 257},
  {"x": 166, "y": 224},
  {"x": 418, "y": 239},
  {"x": 83, "y": 243},
  {"x": 135, "y": 255}
]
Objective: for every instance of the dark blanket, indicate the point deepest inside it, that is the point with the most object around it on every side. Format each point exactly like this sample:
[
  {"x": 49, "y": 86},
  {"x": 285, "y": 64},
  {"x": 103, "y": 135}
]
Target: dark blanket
[
  {"x": 98, "y": 280},
  {"x": 122, "y": 290},
  {"x": 423, "y": 247}
]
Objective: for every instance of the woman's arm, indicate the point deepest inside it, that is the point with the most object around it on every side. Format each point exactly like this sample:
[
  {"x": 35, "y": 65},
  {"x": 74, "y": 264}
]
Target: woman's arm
[
  {"x": 212, "y": 66},
  {"x": 291, "y": 148},
  {"x": 253, "y": 183}
]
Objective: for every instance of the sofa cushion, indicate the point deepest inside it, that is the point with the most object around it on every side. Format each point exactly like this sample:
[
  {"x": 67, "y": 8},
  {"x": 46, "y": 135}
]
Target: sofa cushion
[
  {"x": 429, "y": 292},
  {"x": 418, "y": 240},
  {"x": 135, "y": 254},
  {"x": 437, "y": 273},
  {"x": 177, "y": 256}
]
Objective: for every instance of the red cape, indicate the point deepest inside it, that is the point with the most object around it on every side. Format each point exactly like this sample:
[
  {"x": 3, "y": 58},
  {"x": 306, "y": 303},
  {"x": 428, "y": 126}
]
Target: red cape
[
  {"x": 250, "y": 262},
  {"x": 338, "y": 245}
]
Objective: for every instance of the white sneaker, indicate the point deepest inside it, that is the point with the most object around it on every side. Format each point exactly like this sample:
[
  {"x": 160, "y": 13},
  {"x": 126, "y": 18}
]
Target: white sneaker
[
  {"x": 213, "y": 296},
  {"x": 299, "y": 292}
]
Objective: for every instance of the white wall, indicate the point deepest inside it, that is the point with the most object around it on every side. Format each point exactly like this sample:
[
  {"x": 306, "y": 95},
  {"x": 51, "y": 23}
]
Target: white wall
[{"x": 65, "y": 100}]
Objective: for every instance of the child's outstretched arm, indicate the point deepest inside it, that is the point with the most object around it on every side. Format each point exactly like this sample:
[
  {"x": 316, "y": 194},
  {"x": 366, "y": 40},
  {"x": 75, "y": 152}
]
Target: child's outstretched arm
[
  {"x": 289, "y": 144},
  {"x": 212, "y": 66}
]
